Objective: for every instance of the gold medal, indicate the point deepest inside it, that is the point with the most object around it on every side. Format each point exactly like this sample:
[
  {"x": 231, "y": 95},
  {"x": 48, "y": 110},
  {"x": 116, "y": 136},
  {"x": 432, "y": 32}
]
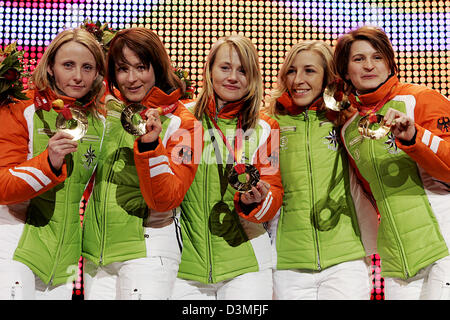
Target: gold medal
[
  {"x": 245, "y": 181},
  {"x": 132, "y": 120},
  {"x": 76, "y": 126},
  {"x": 373, "y": 129}
]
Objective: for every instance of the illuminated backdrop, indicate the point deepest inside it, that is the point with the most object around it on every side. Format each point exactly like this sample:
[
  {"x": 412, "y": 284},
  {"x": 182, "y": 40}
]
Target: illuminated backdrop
[{"x": 419, "y": 31}]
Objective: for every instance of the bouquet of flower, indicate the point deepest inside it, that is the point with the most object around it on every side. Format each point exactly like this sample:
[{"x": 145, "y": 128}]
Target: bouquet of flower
[
  {"x": 184, "y": 76},
  {"x": 102, "y": 33},
  {"x": 11, "y": 74}
]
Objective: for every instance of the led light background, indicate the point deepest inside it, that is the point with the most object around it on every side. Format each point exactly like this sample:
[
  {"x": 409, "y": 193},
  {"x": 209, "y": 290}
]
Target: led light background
[{"x": 419, "y": 31}]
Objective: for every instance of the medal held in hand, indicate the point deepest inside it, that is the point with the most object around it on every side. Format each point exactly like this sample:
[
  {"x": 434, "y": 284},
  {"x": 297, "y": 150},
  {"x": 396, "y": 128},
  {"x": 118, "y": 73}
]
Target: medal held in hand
[
  {"x": 133, "y": 117},
  {"x": 71, "y": 120},
  {"x": 132, "y": 120},
  {"x": 243, "y": 176},
  {"x": 372, "y": 126}
]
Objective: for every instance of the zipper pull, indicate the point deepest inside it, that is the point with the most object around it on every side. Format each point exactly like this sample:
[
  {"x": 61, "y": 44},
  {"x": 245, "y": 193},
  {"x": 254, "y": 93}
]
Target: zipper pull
[{"x": 306, "y": 115}]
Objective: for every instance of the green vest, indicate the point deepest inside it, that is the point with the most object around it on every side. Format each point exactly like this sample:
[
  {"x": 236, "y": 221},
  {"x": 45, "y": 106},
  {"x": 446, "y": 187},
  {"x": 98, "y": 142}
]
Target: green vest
[
  {"x": 113, "y": 226},
  {"x": 405, "y": 212},
  {"x": 215, "y": 245},
  {"x": 51, "y": 240},
  {"x": 317, "y": 227}
]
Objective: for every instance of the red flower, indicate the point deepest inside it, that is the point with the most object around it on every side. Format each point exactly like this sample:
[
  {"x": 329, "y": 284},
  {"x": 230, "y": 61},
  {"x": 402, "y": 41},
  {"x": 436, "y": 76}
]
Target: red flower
[{"x": 11, "y": 75}]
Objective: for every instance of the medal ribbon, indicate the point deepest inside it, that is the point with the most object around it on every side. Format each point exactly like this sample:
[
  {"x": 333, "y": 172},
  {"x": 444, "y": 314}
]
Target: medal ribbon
[
  {"x": 240, "y": 167},
  {"x": 42, "y": 101},
  {"x": 163, "y": 110},
  {"x": 378, "y": 106}
]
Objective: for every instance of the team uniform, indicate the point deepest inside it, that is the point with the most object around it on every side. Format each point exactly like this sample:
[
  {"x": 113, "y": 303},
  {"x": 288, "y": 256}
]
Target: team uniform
[
  {"x": 226, "y": 248},
  {"x": 131, "y": 234},
  {"x": 40, "y": 232},
  {"x": 320, "y": 238},
  {"x": 410, "y": 184}
]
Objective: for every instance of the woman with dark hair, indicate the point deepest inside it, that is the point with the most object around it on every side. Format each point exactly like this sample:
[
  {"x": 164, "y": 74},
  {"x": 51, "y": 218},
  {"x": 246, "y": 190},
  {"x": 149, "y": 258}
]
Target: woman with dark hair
[
  {"x": 399, "y": 143},
  {"x": 132, "y": 244},
  {"x": 44, "y": 171}
]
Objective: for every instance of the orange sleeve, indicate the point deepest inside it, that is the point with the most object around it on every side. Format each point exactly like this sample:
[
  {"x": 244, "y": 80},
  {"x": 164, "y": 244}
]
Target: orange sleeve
[
  {"x": 267, "y": 162},
  {"x": 22, "y": 178},
  {"x": 166, "y": 173},
  {"x": 431, "y": 149}
]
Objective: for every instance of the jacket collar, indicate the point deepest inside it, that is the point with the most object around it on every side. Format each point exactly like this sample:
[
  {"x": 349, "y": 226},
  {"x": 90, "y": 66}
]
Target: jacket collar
[
  {"x": 229, "y": 111},
  {"x": 286, "y": 101},
  {"x": 44, "y": 99},
  {"x": 156, "y": 97},
  {"x": 370, "y": 99}
]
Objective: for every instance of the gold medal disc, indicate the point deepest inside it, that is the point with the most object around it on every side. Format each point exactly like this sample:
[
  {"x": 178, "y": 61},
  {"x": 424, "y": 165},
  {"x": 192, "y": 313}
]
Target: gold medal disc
[
  {"x": 132, "y": 121},
  {"x": 251, "y": 175},
  {"x": 375, "y": 130},
  {"x": 76, "y": 127}
]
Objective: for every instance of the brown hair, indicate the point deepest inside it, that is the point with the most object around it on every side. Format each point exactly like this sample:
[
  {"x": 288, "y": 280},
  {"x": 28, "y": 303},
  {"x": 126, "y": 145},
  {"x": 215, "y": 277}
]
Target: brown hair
[
  {"x": 249, "y": 59},
  {"x": 323, "y": 50},
  {"x": 375, "y": 36},
  {"x": 150, "y": 50},
  {"x": 42, "y": 80}
]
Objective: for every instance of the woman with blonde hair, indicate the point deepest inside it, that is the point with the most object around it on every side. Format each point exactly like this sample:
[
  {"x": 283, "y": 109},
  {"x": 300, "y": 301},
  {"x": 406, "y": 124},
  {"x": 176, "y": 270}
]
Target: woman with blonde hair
[
  {"x": 44, "y": 171},
  {"x": 318, "y": 250},
  {"x": 226, "y": 248}
]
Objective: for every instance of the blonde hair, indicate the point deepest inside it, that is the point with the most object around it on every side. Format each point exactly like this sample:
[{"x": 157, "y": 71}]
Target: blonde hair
[
  {"x": 323, "y": 50},
  {"x": 42, "y": 80},
  {"x": 249, "y": 59}
]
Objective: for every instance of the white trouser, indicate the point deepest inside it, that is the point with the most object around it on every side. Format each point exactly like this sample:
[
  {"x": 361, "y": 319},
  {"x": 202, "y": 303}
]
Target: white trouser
[
  {"x": 348, "y": 280},
  {"x": 430, "y": 283},
  {"x": 149, "y": 278},
  {"x": 18, "y": 282},
  {"x": 248, "y": 286}
]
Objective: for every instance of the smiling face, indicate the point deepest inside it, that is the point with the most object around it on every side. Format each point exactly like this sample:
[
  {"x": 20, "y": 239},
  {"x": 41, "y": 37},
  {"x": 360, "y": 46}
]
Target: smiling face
[
  {"x": 304, "y": 78},
  {"x": 74, "y": 70},
  {"x": 228, "y": 76},
  {"x": 367, "y": 68},
  {"x": 133, "y": 78}
]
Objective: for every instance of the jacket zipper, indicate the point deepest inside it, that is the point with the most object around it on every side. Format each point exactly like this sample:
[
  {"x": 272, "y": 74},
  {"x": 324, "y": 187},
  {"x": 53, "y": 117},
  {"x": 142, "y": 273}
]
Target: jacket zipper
[
  {"x": 58, "y": 253},
  {"x": 206, "y": 206},
  {"x": 388, "y": 216},
  {"x": 312, "y": 186},
  {"x": 109, "y": 178}
]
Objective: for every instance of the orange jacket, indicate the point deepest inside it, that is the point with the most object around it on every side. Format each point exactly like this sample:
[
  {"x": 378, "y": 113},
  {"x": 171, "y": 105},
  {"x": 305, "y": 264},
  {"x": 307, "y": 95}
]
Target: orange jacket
[
  {"x": 23, "y": 176},
  {"x": 166, "y": 173},
  {"x": 431, "y": 113}
]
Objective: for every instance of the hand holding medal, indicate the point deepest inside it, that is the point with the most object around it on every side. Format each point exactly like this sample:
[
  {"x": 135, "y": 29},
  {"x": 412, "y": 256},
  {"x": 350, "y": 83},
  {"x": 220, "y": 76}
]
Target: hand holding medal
[
  {"x": 70, "y": 120},
  {"x": 372, "y": 125},
  {"x": 400, "y": 124},
  {"x": 139, "y": 120}
]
